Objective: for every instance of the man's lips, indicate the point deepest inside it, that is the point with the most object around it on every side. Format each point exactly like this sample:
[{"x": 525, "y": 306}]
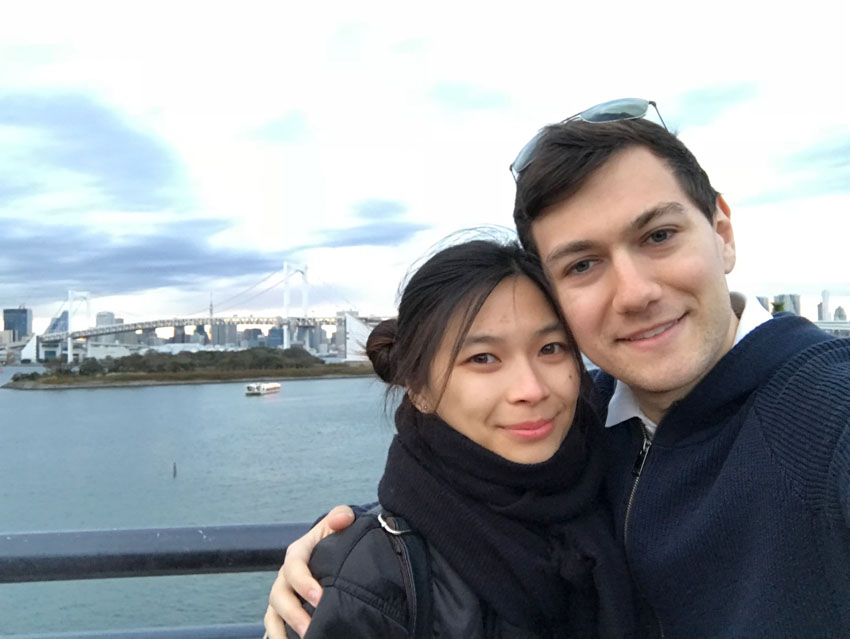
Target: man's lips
[{"x": 649, "y": 333}]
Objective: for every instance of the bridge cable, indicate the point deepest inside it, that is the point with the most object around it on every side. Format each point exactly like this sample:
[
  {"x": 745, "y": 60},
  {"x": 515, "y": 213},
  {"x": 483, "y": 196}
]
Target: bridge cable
[{"x": 233, "y": 297}]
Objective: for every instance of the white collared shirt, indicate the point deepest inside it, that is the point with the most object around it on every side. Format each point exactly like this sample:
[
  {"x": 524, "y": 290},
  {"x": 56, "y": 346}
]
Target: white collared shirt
[{"x": 623, "y": 404}]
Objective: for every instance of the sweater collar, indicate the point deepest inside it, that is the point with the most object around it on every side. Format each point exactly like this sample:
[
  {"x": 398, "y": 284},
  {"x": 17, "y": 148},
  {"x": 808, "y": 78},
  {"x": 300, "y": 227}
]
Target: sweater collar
[{"x": 740, "y": 372}]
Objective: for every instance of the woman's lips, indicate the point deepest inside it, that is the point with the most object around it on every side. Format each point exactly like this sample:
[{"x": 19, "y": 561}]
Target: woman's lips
[{"x": 531, "y": 430}]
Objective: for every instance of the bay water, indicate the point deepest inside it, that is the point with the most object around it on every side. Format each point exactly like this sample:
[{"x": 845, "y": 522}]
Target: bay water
[{"x": 103, "y": 458}]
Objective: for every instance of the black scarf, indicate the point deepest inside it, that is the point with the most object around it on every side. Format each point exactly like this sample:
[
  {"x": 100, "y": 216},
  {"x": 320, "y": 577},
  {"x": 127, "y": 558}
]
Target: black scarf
[{"x": 533, "y": 541}]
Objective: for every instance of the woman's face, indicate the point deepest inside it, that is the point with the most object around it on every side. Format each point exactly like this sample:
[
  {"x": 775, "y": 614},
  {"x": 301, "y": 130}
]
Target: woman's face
[{"x": 514, "y": 384}]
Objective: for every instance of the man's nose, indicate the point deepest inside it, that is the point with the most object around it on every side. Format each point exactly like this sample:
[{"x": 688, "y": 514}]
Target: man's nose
[{"x": 636, "y": 285}]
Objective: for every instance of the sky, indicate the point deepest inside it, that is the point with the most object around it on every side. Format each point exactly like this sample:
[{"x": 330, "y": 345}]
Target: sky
[{"x": 161, "y": 155}]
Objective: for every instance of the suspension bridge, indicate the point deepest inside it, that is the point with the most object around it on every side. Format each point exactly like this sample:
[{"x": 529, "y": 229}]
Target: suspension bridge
[{"x": 61, "y": 332}]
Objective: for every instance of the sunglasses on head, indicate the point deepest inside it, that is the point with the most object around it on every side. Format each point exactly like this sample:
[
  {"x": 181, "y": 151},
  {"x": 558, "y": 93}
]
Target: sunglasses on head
[{"x": 611, "y": 111}]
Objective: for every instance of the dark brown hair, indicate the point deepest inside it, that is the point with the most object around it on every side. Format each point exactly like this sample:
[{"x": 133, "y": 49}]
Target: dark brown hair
[
  {"x": 570, "y": 152},
  {"x": 454, "y": 283}
]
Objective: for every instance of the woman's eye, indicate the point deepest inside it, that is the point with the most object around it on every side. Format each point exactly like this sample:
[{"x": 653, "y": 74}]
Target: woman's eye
[
  {"x": 482, "y": 358},
  {"x": 552, "y": 349}
]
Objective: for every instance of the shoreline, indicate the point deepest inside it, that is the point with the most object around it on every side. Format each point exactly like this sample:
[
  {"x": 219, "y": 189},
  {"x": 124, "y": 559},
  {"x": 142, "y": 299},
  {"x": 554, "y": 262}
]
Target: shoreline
[{"x": 88, "y": 385}]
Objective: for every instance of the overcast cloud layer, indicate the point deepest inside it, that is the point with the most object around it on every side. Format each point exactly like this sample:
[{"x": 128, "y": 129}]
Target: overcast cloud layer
[{"x": 156, "y": 163}]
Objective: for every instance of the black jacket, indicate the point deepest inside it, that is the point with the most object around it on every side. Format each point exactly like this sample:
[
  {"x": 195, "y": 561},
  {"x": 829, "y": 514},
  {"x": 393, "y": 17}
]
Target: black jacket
[{"x": 365, "y": 595}]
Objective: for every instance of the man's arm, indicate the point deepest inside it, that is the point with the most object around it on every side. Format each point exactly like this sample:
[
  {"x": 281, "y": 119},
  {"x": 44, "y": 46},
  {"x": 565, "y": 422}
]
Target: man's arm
[
  {"x": 294, "y": 577},
  {"x": 841, "y": 462}
]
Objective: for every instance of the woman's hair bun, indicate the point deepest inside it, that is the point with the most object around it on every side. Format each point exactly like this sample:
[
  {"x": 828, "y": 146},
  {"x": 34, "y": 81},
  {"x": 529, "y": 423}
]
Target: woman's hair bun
[{"x": 379, "y": 348}]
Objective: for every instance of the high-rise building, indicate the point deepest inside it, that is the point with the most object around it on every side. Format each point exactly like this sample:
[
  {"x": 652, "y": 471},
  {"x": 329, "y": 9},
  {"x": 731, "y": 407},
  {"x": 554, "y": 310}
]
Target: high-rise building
[
  {"x": 179, "y": 335},
  {"x": 200, "y": 335},
  {"x": 252, "y": 338},
  {"x": 224, "y": 334},
  {"x": 105, "y": 318},
  {"x": 58, "y": 324},
  {"x": 18, "y": 320},
  {"x": 840, "y": 314},
  {"x": 275, "y": 338},
  {"x": 789, "y": 303},
  {"x": 824, "y": 306},
  {"x": 127, "y": 337},
  {"x": 764, "y": 301}
]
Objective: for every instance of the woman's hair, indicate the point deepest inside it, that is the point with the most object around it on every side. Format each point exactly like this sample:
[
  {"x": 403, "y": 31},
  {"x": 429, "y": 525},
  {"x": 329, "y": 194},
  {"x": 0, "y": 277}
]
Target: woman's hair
[{"x": 454, "y": 283}]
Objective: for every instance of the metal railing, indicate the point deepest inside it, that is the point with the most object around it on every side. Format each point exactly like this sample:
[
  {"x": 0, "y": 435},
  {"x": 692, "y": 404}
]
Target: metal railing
[{"x": 151, "y": 552}]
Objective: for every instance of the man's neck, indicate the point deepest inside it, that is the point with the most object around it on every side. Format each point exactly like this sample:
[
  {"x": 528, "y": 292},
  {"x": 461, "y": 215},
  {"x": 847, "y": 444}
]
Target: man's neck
[{"x": 656, "y": 404}]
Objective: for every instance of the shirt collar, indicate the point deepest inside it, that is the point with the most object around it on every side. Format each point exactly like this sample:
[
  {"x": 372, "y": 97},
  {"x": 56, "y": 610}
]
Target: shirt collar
[{"x": 623, "y": 405}]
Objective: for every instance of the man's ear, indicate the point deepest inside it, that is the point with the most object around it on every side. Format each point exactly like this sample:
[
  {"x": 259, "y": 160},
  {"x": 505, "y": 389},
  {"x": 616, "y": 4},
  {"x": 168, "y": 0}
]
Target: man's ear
[{"x": 723, "y": 228}]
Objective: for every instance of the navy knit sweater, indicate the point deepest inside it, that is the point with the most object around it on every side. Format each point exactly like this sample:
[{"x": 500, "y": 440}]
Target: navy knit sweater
[{"x": 736, "y": 520}]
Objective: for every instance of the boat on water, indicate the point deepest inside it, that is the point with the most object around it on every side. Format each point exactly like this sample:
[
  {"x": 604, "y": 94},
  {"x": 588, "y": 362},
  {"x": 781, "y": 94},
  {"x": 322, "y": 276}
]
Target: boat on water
[{"x": 262, "y": 388}]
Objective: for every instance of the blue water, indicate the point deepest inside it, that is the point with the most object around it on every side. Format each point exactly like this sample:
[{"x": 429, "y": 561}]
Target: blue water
[{"x": 94, "y": 459}]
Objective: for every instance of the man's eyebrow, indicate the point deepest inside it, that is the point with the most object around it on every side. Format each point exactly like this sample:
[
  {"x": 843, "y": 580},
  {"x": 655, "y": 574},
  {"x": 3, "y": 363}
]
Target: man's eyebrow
[
  {"x": 646, "y": 218},
  {"x": 642, "y": 220},
  {"x": 565, "y": 250}
]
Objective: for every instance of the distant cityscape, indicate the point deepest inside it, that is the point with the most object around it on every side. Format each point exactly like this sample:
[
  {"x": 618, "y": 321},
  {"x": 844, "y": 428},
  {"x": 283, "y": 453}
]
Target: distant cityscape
[
  {"x": 791, "y": 304},
  {"x": 338, "y": 339}
]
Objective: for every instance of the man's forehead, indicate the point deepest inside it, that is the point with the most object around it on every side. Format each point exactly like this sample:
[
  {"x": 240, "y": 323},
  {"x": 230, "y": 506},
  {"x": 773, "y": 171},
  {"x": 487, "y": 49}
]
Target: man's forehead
[
  {"x": 627, "y": 191},
  {"x": 571, "y": 241}
]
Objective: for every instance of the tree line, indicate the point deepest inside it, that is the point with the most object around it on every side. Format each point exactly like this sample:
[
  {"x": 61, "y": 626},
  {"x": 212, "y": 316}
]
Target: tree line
[{"x": 254, "y": 359}]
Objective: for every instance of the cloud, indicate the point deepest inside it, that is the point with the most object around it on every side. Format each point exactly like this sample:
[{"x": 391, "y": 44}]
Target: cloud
[
  {"x": 391, "y": 234},
  {"x": 378, "y": 209},
  {"x": 831, "y": 154},
  {"x": 40, "y": 262},
  {"x": 466, "y": 97},
  {"x": 822, "y": 169},
  {"x": 12, "y": 190},
  {"x": 380, "y": 229},
  {"x": 268, "y": 297},
  {"x": 130, "y": 169},
  {"x": 292, "y": 127},
  {"x": 700, "y": 107}
]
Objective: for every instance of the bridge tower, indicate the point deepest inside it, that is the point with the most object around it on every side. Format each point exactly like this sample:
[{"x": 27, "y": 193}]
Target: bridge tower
[
  {"x": 76, "y": 296},
  {"x": 288, "y": 272}
]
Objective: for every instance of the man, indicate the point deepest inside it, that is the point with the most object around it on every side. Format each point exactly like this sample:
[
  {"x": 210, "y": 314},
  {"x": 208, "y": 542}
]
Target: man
[{"x": 730, "y": 431}]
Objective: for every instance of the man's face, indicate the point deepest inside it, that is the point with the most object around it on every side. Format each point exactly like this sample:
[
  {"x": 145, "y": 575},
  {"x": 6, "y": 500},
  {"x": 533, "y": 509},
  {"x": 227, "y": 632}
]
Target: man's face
[{"x": 640, "y": 274}]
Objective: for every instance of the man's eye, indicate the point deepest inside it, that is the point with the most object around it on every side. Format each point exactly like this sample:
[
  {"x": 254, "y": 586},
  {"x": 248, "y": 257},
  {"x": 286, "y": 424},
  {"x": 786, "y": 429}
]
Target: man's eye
[
  {"x": 482, "y": 358},
  {"x": 659, "y": 236},
  {"x": 580, "y": 267}
]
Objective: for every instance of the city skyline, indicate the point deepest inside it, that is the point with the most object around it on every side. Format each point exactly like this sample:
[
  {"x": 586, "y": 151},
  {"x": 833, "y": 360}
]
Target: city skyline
[
  {"x": 155, "y": 171},
  {"x": 789, "y": 302}
]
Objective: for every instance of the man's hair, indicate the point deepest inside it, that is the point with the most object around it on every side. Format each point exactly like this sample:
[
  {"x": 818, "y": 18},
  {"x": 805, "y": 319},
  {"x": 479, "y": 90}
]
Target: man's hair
[{"x": 570, "y": 152}]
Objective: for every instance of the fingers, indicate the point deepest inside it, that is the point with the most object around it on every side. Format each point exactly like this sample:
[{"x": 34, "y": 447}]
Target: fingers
[
  {"x": 274, "y": 625},
  {"x": 294, "y": 577},
  {"x": 339, "y": 518}
]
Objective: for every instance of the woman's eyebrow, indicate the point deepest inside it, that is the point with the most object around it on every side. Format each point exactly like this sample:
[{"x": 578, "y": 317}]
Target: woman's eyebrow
[
  {"x": 554, "y": 327},
  {"x": 480, "y": 338}
]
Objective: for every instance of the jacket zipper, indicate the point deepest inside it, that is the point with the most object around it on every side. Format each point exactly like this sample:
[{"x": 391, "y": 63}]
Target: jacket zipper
[
  {"x": 637, "y": 469},
  {"x": 407, "y": 575}
]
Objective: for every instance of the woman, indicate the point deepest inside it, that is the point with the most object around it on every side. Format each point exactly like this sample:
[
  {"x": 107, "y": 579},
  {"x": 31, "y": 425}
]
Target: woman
[{"x": 495, "y": 465}]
